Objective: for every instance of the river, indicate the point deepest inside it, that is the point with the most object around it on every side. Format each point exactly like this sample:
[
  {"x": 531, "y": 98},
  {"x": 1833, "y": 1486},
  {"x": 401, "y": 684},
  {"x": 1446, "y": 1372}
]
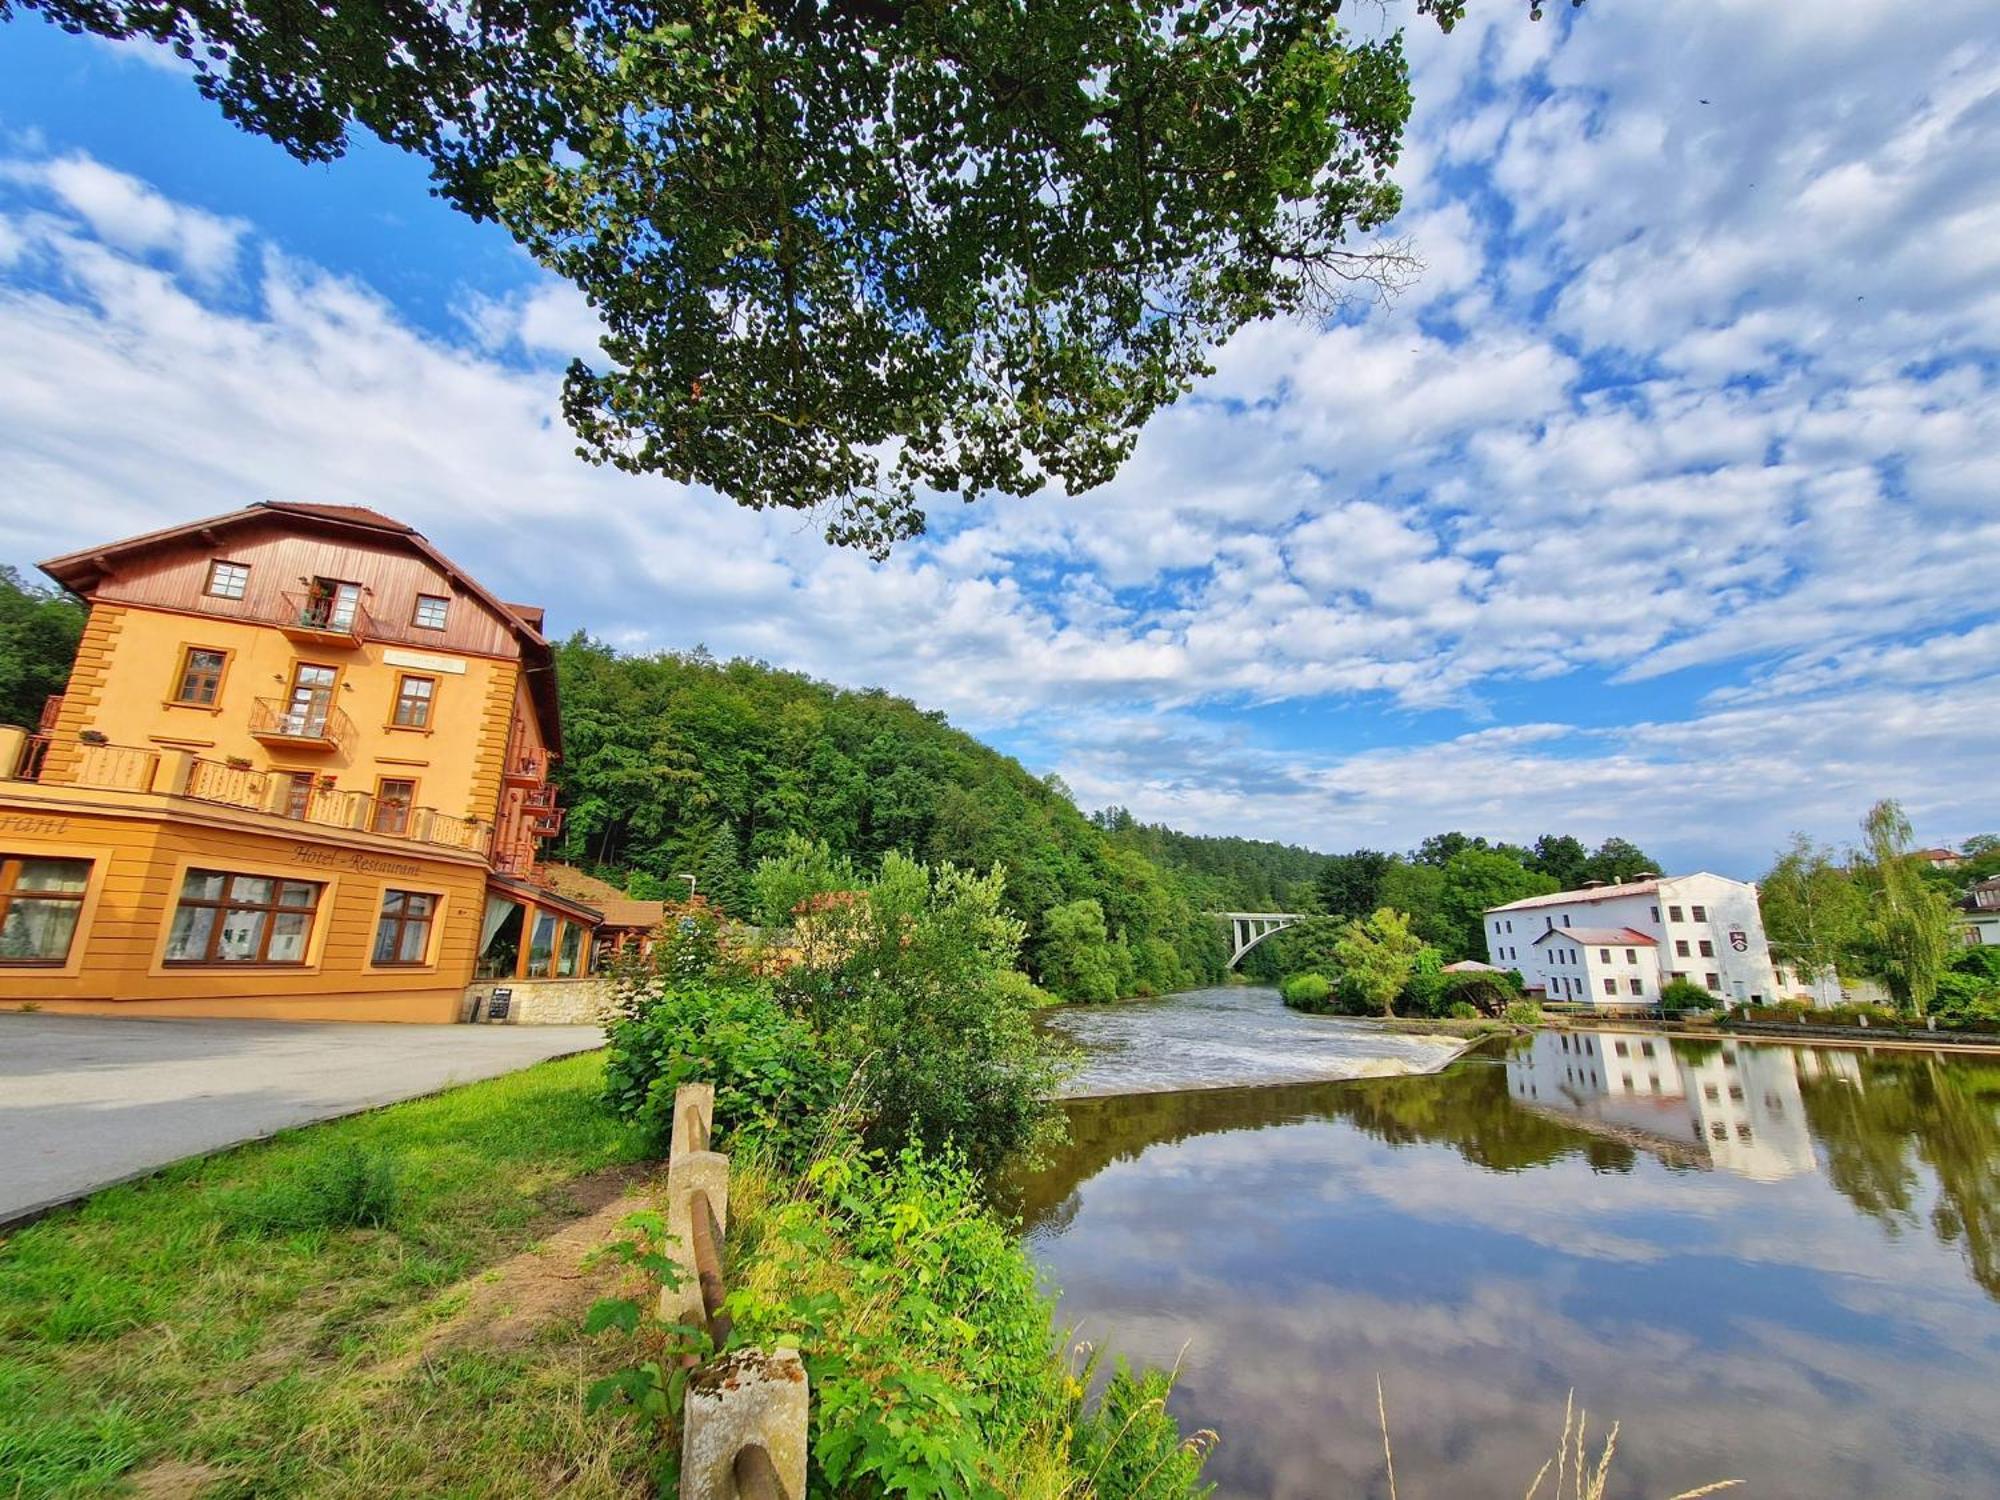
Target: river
[{"x": 1770, "y": 1263}]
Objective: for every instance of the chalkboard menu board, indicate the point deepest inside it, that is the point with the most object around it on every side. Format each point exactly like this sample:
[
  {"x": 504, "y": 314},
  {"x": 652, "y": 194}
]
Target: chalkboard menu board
[{"x": 497, "y": 1004}]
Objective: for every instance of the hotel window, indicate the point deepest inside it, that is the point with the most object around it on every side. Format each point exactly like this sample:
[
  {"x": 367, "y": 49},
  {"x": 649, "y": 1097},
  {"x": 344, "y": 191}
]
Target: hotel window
[
  {"x": 228, "y": 580},
  {"x": 432, "y": 611},
  {"x": 1673, "y": 914},
  {"x": 297, "y": 793},
  {"x": 542, "y": 946},
  {"x": 1681, "y": 948},
  {"x": 1699, "y": 913},
  {"x": 394, "y": 797},
  {"x": 403, "y": 931},
  {"x": 242, "y": 919},
  {"x": 569, "y": 956},
  {"x": 40, "y": 900},
  {"x": 200, "y": 682},
  {"x": 413, "y": 702},
  {"x": 1707, "y": 948}
]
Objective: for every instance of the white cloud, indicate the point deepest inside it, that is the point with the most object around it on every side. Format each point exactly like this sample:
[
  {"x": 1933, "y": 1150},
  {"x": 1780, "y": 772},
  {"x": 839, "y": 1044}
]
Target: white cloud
[{"x": 129, "y": 215}]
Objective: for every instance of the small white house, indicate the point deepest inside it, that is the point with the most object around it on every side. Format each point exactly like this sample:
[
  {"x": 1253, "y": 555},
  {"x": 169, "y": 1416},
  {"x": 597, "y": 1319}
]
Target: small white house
[
  {"x": 1573, "y": 945},
  {"x": 1979, "y": 913}
]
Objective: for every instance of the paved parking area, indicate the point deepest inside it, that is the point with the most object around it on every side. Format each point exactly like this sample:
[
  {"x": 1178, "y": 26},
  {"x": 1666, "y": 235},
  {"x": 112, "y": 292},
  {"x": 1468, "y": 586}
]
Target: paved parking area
[{"x": 88, "y": 1101}]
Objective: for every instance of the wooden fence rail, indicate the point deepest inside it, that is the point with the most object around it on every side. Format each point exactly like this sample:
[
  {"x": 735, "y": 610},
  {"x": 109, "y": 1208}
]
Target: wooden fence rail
[{"x": 743, "y": 1430}]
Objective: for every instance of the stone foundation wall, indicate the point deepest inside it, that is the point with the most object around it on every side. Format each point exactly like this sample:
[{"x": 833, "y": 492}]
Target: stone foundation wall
[{"x": 542, "y": 1002}]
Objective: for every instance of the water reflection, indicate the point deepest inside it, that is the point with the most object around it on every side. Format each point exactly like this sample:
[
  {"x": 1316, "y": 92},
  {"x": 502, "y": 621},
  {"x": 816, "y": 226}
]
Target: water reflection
[
  {"x": 1773, "y": 1263},
  {"x": 1699, "y": 1104}
]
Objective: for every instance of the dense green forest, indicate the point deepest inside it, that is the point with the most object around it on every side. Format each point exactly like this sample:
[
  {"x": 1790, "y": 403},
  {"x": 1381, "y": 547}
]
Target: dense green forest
[
  {"x": 39, "y": 629},
  {"x": 680, "y": 764}
]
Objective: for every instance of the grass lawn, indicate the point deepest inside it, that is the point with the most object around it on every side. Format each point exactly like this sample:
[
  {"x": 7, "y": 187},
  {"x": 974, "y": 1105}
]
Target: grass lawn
[{"x": 195, "y": 1334}]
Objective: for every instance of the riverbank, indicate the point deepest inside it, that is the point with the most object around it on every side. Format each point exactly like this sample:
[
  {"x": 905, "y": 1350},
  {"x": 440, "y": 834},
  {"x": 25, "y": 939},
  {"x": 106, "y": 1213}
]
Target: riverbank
[{"x": 395, "y": 1304}]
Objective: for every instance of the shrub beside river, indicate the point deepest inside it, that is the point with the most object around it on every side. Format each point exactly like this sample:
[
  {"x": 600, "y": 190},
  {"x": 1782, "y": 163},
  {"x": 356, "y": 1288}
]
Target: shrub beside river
[{"x": 867, "y": 1091}]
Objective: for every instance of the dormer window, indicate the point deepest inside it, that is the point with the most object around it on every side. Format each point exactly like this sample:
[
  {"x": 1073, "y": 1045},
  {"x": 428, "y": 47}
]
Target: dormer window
[
  {"x": 228, "y": 580},
  {"x": 432, "y": 612}
]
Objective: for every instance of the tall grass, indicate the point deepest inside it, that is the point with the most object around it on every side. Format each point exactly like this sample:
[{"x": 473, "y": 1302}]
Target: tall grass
[{"x": 1578, "y": 1476}]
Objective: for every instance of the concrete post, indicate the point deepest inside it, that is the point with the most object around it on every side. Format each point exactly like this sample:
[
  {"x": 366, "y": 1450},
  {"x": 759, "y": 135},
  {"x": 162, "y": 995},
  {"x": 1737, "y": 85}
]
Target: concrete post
[
  {"x": 694, "y": 1119},
  {"x": 708, "y": 1171},
  {"x": 174, "y": 771},
  {"x": 745, "y": 1397}
]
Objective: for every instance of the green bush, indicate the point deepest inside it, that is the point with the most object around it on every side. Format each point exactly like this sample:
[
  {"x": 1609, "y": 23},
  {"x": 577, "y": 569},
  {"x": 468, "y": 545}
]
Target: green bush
[
  {"x": 1462, "y": 1010},
  {"x": 1684, "y": 994},
  {"x": 1131, "y": 1445},
  {"x": 347, "y": 1186},
  {"x": 1018, "y": 989},
  {"x": 1424, "y": 992},
  {"x": 1522, "y": 1013},
  {"x": 911, "y": 992},
  {"x": 920, "y": 1320},
  {"x": 1306, "y": 992},
  {"x": 1981, "y": 961},
  {"x": 772, "y": 1080}
]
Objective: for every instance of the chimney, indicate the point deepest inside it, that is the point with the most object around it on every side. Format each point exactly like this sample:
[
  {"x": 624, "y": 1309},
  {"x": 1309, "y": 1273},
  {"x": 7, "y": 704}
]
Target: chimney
[{"x": 1590, "y": 885}]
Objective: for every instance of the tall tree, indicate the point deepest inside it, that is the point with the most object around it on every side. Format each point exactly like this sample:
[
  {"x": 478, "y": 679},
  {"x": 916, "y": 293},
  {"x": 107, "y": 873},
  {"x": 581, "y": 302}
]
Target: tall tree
[
  {"x": 1440, "y": 848},
  {"x": 1909, "y": 925},
  {"x": 846, "y": 251},
  {"x": 1812, "y": 909},
  {"x": 39, "y": 629},
  {"x": 1617, "y": 860},
  {"x": 1475, "y": 881},
  {"x": 1377, "y": 956},
  {"x": 1350, "y": 885},
  {"x": 1560, "y": 857}
]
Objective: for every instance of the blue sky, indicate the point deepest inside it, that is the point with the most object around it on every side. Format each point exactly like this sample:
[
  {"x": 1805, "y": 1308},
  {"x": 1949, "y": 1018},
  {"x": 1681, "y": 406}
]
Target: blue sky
[{"x": 1663, "y": 504}]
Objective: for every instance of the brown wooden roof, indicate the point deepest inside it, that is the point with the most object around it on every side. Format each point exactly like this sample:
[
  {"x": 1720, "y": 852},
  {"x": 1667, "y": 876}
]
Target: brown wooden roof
[{"x": 81, "y": 571}]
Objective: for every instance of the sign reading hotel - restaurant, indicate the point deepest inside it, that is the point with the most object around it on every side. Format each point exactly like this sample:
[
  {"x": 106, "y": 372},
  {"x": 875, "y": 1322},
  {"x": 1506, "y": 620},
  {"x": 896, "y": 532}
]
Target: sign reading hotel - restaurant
[{"x": 321, "y": 858}]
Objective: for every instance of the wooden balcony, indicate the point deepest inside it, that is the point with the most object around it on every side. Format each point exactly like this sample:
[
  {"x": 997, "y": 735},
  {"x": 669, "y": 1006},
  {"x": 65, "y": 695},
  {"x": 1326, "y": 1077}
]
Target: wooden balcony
[
  {"x": 526, "y": 768},
  {"x": 315, "y": 620},
  {"x": 285, "y": 726}
]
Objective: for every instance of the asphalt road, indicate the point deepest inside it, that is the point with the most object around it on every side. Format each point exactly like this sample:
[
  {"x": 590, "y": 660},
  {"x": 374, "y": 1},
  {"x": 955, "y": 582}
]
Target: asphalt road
[{"x": 88, "y": 1101}]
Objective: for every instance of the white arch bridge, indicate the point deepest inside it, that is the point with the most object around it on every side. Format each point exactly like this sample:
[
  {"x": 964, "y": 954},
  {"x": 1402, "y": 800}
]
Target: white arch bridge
[{"x": 1249, "y": 928}]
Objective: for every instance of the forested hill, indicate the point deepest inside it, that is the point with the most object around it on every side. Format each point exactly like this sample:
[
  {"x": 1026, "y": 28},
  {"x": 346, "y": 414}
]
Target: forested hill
[
  {"x": 680, "y": 763},
  {"x": 1234, "y": 874}
]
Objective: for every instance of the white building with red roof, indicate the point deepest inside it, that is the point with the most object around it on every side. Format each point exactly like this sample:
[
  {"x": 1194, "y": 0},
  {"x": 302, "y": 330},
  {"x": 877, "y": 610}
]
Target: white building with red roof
[{"x": 1615, "y": 945}]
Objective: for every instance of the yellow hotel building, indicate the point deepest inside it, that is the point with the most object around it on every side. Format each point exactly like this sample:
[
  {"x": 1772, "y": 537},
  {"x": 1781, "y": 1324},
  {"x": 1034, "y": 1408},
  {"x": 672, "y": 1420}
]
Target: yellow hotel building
[{"x": 300, "y": 770}]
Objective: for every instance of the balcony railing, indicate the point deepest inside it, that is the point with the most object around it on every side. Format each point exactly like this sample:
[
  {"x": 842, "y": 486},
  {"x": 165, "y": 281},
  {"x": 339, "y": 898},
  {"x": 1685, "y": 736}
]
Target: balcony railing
[
  {"x": 96, "y": 764},
  {"x": 278, "y": 721},
  {"x": 317, "y": 619},
  {"x": 527, "y": 766},
  {"x": 132, "y": 768}
]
